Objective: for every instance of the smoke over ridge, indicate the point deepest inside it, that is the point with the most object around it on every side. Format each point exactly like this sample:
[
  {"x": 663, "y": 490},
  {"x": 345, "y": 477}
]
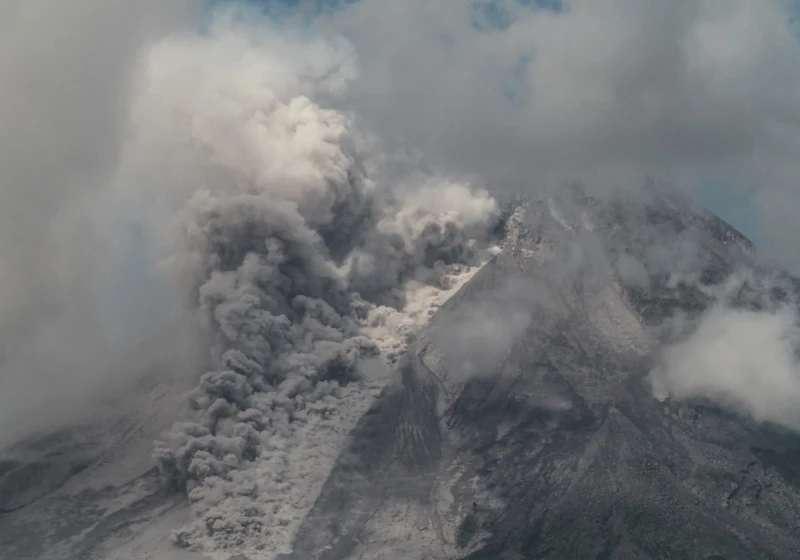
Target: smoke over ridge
[{"x": 301, "y": 262}]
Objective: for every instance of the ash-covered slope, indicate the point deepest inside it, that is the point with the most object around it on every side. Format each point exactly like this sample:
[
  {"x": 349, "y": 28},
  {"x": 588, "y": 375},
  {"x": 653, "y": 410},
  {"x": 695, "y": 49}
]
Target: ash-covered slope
[
  {"x": 523, "y": 423},
  {"x": 89, "y": 488}
]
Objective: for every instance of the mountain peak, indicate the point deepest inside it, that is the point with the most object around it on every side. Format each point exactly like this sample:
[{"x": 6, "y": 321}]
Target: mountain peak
[{"x": 523, "y": 422}]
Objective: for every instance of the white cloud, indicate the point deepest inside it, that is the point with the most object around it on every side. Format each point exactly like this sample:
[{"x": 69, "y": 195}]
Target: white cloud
[
  {"x": 259, "y": 144},
  {"x": 608, "y": 91},
  {"x": 746, "y": 360},
  {"x": 64, "y": 71}
]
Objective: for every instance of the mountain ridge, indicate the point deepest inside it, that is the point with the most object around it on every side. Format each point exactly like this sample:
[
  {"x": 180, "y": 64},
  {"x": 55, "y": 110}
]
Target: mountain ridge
[{"x": 541, "y": 457}]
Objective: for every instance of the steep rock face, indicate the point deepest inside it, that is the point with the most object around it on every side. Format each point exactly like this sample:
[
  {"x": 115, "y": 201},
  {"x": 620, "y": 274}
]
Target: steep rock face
[{"x": 522, "y": 423}]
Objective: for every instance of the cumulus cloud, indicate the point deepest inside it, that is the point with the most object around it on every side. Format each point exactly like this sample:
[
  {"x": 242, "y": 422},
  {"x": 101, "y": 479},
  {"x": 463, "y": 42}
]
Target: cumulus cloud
[
  {"x": 746, "y": 360},
  {"x": 296, "y": 250}
]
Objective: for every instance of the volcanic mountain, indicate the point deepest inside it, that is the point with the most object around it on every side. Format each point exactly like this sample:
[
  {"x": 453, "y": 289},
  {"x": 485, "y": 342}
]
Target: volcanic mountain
[{"x": 524, "y": 421}]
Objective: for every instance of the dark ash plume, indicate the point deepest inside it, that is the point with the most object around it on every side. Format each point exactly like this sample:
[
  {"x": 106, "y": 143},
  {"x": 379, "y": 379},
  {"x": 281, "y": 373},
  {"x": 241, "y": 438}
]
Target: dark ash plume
[{"x": 301, "y": 263}]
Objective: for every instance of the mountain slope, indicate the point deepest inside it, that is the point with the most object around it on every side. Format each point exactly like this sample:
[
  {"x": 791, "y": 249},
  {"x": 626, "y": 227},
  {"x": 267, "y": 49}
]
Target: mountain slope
[
  {"x": 522, "y": 422},
  {"x": 90, "y": 489}
]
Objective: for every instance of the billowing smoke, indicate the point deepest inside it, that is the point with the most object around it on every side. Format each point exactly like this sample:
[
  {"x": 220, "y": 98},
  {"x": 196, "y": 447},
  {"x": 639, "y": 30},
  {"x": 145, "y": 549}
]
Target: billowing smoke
[
  {"x": 303, "y": 264},
  {"x": 522, "y": 92}
]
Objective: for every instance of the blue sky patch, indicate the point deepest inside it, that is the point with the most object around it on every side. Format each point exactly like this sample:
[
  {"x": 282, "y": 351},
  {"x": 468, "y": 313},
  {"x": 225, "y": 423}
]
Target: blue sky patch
[{"x": 734, "y": 206}]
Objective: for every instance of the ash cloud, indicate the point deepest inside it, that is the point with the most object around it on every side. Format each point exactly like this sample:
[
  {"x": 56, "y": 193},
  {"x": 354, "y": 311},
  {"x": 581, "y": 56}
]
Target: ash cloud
[{"x": 296, "y": 257}]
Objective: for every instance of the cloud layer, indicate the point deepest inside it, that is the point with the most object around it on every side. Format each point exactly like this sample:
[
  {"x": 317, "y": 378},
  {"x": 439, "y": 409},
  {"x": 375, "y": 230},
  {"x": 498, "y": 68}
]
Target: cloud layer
[{"x": 608, "y": 91}]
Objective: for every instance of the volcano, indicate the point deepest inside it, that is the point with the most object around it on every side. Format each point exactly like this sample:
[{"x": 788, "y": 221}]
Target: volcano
[
  {"x": 522, "y": 422},
  {"x": 547, "y": 442}
]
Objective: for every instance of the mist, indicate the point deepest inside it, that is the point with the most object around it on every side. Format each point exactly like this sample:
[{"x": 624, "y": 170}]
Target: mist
[
  {"x": 744, "y": 360},
  {"x": 64, "y": 72}
]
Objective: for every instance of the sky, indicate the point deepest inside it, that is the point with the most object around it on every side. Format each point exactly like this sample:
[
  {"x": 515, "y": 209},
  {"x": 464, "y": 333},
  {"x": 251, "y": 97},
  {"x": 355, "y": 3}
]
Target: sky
[
  {"x": 700, "y": 94},
  {"x": 739, "y": 211}
]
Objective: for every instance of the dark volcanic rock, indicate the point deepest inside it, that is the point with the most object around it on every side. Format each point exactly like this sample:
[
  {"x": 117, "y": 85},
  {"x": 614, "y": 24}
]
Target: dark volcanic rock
[{"x": 522, "y": 423}]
